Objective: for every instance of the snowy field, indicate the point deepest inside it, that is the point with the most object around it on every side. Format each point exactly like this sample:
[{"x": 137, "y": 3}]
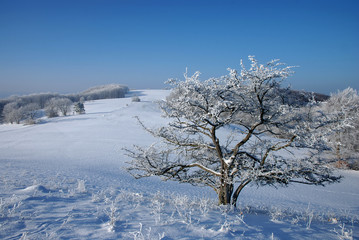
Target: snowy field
[{"x": 64, "y": 179}]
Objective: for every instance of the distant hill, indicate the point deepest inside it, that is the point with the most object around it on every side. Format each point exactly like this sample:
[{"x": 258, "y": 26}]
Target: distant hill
[
  {"x": 104, "y": 92},
  {"x": 303, "y": 97},
  {"x": 94, "y": 93}
]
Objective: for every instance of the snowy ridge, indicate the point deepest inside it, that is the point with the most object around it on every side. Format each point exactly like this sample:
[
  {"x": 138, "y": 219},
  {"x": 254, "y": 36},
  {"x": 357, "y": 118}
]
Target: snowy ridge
[{"x": 64, "y": 179}]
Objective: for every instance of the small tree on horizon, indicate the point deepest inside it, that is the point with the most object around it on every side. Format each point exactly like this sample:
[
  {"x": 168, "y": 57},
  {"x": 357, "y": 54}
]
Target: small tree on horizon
[
  {"x": 51, "y": 108},
  {"x": 64, "y": 105},
  {"x": 79, "y": 108},
  {"x": 31, "y": 112},
  {"x": 135, "y": 99},
  {"x": 13, "y": 112},
  {"x": 236, "y": 130},
  {"x": 56, "y": 105}
]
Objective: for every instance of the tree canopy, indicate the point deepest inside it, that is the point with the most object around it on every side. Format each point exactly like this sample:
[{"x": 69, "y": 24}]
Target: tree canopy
[{"x": 235, "y": 130}]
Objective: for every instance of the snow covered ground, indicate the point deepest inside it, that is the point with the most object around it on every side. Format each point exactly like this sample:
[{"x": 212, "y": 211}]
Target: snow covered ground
[{"x": 64, "y": 179}]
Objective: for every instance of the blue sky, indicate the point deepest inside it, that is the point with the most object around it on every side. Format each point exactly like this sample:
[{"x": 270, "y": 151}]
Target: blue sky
[{"x": 67, "y": 46}]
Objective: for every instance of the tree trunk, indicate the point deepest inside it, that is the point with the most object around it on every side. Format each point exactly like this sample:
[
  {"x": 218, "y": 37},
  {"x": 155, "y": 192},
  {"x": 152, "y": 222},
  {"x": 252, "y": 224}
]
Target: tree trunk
[
  {"x": 225, "y": 194},
  {"x": 226, "y": 187},
  {"x": 338, "y": 152},
  {"x": 237, "y": 192}
]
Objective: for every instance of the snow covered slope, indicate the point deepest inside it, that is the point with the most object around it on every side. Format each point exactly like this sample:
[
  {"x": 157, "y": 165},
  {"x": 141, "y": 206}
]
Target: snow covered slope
[{"x": 64, "y": 179}]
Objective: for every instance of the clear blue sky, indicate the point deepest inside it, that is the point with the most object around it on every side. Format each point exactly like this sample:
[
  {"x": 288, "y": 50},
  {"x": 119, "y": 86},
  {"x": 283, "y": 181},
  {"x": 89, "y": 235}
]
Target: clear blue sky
[{"x": 67, "y": 46}]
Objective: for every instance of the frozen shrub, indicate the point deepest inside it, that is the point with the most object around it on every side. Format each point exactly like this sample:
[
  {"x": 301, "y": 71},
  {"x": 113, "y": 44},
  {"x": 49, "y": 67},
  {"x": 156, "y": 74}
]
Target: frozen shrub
[
  {"x": 135, "y": 99},
  {"x": 31, "y": 112},
  {"x": 344, "y": 140},
  {"x": 341, "y": 164},
  {"x": 58, "y": 105},
  {"x": 13, "y": 112},
  {"x": 51, "y": 108},
  {"x": 354, "y": 165},
  {"x": 79, "y": 108},
  {"x": 64, "y": 105}
]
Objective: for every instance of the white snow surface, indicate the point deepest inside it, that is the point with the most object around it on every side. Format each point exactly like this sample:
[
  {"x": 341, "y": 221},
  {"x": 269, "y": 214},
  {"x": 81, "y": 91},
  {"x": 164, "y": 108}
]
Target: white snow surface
[{"x": 64, "y": 178}]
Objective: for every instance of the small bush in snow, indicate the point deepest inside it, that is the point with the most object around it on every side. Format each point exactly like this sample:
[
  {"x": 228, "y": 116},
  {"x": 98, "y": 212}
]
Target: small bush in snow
[
  {"x": 64, "y": 105},
  {"x": 79, "y": 108},
  {"x": 13, "y": 112},
  {"x": 113, "y": 215},
  {"x": 135, "y": 99},
  {"x": 58, "y": 105},
  {"x": 81, "y": 187},
  {"x": 51, "y": 108}
]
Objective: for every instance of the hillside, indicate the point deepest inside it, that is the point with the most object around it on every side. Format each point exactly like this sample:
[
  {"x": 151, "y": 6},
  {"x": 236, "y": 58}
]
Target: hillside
[
  {"x": 42, "y": 99},
  {"x": 64, "y": 179}
]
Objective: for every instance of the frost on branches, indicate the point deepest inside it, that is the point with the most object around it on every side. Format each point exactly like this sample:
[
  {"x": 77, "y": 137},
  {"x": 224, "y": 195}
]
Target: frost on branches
[
  {"x": 235, "y": 130},
  {"x": 344, "y": 105}
]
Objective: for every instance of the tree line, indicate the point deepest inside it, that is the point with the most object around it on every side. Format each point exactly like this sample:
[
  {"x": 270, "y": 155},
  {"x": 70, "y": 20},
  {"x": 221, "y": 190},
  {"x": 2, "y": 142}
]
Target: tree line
[{"x": 17, "y": 109}]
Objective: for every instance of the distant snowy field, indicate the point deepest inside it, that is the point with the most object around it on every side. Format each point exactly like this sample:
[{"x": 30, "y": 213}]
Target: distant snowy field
[{"x": 64, "y": 179}]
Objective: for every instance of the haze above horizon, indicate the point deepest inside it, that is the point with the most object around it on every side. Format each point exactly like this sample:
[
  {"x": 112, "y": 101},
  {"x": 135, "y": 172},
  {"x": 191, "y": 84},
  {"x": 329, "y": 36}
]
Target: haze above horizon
[{"x": 68, "y": 46}]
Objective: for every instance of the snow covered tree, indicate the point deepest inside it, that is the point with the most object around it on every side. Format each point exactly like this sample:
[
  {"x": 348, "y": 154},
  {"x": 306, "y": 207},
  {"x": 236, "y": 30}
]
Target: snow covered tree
[
  {"x": 64, "y": 105},
  {"x": 135, "y": 99},
  {"x": 51, "y": 108},
  {"x": 236, "y": 130},
  {"x": 56, "y": 105},
  {"x": 344, "y": 105},
  {"x": 30, "y": 112},
  {"x": 13, "y": 112},
  {"x": 79, "y": 108},
  {"x": 105, "y": 91}
]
